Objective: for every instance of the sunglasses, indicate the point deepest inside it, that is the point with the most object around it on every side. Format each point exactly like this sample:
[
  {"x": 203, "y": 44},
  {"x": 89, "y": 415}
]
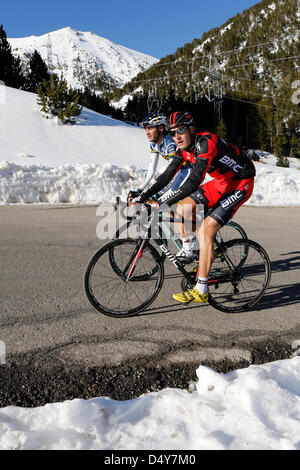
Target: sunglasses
[{"x": 180, "y": 130}]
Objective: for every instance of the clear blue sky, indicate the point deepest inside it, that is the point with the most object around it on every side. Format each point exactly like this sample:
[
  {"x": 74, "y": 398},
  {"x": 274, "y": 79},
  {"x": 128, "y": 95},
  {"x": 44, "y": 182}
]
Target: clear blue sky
[{"x": 157, "y": 28}]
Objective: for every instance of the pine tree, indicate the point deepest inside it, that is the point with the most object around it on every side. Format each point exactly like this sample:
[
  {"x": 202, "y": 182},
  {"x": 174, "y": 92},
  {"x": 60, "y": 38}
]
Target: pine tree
[
  {"x": 280, "y": 142},
  {"x": 294, "y": 141},
  {"x": 295, "y": 146},
  {"x": 10, "y": 66},
  {"x": 6, "y": 58},
  {"x": 56, "y": 99},
  {"x": 38, "y": 72}
]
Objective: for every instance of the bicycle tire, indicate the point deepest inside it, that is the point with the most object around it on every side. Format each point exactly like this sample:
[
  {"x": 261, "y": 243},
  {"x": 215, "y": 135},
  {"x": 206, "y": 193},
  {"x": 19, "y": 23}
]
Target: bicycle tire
[
  {"x": 226, "y": 235},
  {"x": 232, "y": 296},
  {"x": 113, "y": 292},
  {"x": 231, "y": 230}
]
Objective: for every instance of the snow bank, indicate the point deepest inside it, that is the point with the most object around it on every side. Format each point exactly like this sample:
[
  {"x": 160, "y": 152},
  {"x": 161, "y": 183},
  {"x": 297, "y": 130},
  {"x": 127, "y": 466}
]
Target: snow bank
[
  {"x": 253, "y": 408},
  {"x": 86, "y": 183},
  {"x": 79, "y": 184},
  {"x": 276, "y": 186},
  {"x": 96, "y": 160}
]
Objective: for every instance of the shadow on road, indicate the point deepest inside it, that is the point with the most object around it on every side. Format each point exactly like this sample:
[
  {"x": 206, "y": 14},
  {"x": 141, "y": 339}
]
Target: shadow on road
[
  {"x": 287, "y": 264},
  {"x": 279, "y": 296},
  {"x": 275, "y": 297},
  {"x": 170, "y": 308}
]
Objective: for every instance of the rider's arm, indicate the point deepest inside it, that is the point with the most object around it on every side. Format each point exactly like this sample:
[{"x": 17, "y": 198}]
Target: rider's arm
[
  {"x": 151, "y": 169},
  {"x": 164, "y": 178},
  {"x": 204, "y": 153}
]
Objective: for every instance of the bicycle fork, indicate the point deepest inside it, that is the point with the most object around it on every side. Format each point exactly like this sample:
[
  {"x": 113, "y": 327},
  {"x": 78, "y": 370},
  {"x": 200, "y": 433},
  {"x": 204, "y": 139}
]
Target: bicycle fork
[{"x": 136, "y": 256}]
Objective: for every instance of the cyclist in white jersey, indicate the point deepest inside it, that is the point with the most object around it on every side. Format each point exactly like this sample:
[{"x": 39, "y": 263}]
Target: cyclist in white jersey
[{"x": 161, "y": 144}]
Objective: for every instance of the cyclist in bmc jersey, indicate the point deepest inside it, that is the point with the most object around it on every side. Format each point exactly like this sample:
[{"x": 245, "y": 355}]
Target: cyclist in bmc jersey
[
  {"x": 161, "y": 144},
  {"x": 233, "y": 179}
]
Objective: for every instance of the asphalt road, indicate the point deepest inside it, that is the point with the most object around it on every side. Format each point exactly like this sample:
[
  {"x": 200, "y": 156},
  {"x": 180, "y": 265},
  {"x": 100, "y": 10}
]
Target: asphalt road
[{"x": 59, "y": 347}]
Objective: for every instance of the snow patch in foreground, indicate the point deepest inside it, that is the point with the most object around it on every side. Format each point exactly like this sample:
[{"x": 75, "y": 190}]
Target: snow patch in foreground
[{"x": 253, "y": 408}]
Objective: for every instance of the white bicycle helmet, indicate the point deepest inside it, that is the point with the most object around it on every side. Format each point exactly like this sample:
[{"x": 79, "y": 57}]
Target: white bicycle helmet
[{"x": 155, "y": 119}]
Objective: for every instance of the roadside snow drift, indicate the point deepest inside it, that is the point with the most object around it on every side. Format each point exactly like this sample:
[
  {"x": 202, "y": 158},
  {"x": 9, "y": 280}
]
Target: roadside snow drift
[{"x": 99, "y": 158}]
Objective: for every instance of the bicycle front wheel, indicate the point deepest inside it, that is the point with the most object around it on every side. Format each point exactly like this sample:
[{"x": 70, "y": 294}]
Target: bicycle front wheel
[
  {"x": 234, "y": 286},
  {"x": 131, "y": 230},
  {"x": 109, "y": 286}
]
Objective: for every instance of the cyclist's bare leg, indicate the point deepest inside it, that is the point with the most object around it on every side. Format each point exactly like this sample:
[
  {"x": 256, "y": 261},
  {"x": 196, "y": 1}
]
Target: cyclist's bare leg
[
  {"x": 186, "y": 210},
  {"x": 205, "y": 235}
]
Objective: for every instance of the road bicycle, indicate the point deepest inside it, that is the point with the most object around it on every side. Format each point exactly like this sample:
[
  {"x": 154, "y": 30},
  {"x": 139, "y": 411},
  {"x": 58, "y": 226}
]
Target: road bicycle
[
  {"x": 125, "y": 276},
  {"x": 130, "y": 229}
]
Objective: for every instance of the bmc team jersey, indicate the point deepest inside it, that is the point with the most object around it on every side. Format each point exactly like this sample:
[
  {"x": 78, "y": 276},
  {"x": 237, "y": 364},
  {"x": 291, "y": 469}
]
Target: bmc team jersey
[
  {"x": 166, "y": 149},
  {"x": 231, "y": 168}
]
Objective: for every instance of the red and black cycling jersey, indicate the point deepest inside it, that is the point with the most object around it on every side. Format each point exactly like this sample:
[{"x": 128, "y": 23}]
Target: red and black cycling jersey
[{"x": 209, "y": 154}]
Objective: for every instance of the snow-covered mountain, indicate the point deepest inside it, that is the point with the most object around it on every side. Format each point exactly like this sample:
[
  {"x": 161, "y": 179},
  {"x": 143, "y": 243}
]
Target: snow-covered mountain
[{"x": 83, "y": 57}]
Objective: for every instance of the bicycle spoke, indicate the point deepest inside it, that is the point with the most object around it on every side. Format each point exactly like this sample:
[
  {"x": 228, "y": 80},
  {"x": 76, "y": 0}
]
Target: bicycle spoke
[
  {"x": 102, "y": 283},
  {"x": 248, "y": 280}
]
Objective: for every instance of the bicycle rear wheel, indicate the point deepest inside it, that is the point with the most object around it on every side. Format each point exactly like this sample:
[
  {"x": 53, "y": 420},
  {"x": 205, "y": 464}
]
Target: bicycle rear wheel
[
  {"x": 231, "y": 231},
  {"x": 234, "y": 286},
  {"x": 108, "y": 285}
]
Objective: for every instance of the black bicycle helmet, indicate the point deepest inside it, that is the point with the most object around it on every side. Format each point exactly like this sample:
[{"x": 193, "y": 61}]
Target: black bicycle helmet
[{"x": 181, "y": 118}]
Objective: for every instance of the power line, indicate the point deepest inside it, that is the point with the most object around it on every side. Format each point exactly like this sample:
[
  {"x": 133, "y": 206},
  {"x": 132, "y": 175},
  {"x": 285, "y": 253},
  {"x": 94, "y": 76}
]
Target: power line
[
  {"x": 221, "y": 53},
  {"x": 269, "y": 60},
  {"x": 259, "y": 104},
  {"x": 165, "y": 77},
  {"x": 207, "y": 69},
  {"x": 252, "y": 80},
  {"x": 256, "y": 45},
  {"x": 253, "y": 92}
]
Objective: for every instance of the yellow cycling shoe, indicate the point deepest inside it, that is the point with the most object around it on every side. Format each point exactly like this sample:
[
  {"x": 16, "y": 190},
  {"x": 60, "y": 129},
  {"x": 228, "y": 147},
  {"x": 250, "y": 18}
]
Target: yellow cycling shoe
[{"x": 191, "y": 296}]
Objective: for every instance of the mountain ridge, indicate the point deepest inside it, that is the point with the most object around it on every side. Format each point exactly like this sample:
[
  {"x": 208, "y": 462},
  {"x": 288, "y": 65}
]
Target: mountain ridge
[{"x": 85, "y": 59}]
